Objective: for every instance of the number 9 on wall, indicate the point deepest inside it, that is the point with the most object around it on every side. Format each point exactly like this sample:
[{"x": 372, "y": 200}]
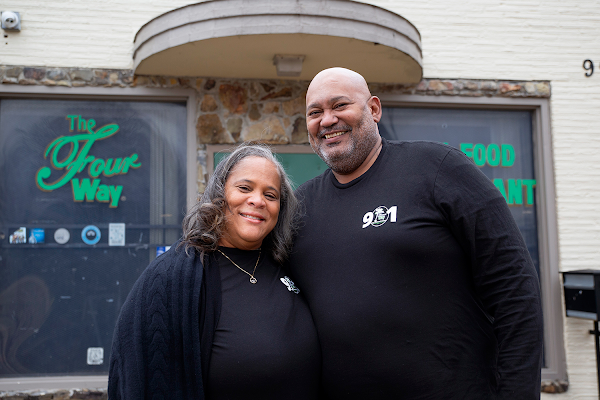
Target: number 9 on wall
[{"x": 588, "y": 65}]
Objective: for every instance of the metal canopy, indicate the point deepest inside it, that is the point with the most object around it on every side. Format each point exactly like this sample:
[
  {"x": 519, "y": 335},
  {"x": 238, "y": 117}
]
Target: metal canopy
[{"x": 240, "y": 39}]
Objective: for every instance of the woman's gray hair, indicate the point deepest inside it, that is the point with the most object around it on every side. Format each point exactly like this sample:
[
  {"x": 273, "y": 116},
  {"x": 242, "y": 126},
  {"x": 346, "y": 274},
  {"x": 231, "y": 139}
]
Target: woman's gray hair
[{"x": 204, "y": 224}]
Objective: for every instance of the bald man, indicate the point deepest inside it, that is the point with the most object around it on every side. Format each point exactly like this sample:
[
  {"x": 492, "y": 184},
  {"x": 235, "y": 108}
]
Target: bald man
[{"x": 420, "y": 284}]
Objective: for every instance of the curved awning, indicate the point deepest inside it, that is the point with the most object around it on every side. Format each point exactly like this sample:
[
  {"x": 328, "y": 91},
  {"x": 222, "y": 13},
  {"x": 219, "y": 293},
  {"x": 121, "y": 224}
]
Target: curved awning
[{"x": 242, "y": 39}]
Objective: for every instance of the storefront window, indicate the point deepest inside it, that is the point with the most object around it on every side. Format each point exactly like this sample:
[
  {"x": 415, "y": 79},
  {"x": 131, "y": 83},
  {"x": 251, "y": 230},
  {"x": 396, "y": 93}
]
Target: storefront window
[
  {"x": 299, "y": 166},
  {"x": 90, "y": 193},
  {"x": 499, "y": 143}
]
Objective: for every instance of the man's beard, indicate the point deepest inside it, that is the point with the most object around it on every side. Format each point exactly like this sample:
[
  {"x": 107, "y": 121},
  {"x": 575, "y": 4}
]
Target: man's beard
[{"x": 362, "y": 139}]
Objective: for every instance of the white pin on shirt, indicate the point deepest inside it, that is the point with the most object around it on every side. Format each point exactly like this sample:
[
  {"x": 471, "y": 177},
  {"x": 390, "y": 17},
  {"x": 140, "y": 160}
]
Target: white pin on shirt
[{"x": 290, "y": 285}]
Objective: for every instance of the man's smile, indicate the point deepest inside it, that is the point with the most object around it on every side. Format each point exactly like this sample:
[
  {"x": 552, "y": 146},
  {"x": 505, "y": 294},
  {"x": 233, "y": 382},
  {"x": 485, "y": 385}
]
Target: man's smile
[{"x": 336, "y": 134}]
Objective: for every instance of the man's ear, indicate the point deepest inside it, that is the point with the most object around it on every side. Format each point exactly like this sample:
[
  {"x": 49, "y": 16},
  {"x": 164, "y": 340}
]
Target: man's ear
[{"x": 375, "y": 106}]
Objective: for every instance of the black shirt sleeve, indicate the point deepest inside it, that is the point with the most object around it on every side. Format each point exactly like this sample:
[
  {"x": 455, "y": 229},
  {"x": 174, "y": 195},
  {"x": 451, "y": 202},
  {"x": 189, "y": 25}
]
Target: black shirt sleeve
[{"x": 503, "y": 273}]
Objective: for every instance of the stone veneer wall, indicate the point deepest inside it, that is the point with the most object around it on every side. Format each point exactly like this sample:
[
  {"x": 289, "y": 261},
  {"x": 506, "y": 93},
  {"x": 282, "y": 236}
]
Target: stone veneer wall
[
  {"x": 74, "y": 394},
  {"x": 232, "y": 110}
]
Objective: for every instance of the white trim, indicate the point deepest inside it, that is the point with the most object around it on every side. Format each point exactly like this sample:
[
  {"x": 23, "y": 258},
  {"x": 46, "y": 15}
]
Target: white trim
[
  {"x": 54, "y": 382},
  {"x": 221, "y": 9}
]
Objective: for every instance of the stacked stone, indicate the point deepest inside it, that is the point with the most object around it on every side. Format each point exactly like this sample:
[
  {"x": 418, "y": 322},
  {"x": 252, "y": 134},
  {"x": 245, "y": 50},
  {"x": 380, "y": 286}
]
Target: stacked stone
[
  {"x": 556, "y": 386},
  {"x": 68, "y": 77},
  {"x": 75, "y": 394},
  {"x": 77, "y": 77},
  {"x": 265, "y": 111},
  {"x": 469, "y": 88}
]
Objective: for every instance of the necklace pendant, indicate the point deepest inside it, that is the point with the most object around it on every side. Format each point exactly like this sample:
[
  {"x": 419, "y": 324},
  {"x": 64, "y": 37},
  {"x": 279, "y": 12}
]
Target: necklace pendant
[{"x": 252, "y": 279}]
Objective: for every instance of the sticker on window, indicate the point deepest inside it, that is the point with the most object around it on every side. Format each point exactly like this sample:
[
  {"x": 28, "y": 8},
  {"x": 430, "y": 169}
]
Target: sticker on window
[
  {"x": 37, "y": 236},
  {"x": 116, "y": 234},
  {"x": 95, "y": 355},
  {"x": 161, "y": 249},
  {"x": 61, "y": 236},
  {"x": 19, "y": 236},
  {"x": 90, "y": 235}
]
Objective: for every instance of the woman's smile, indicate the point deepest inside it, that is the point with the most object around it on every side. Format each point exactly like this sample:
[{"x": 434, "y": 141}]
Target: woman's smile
[{"x": 252, "y": 194}]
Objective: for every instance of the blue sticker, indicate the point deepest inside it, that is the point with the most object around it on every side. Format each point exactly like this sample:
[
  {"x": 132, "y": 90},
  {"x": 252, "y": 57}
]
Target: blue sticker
[
  {"x": 37, "y": 235},
  {"x": 90, "y": 234},
  {"x": 161, "y": 249}
]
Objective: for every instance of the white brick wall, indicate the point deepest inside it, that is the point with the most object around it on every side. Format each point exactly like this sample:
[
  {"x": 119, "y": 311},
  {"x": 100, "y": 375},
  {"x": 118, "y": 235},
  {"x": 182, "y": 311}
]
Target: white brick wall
[
  {"x": 78, "y": 33},
  {"x": 500, "y": 39}
]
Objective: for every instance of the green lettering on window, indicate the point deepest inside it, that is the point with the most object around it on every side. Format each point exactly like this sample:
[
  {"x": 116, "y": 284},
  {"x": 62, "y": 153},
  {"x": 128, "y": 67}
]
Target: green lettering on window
[
  {"x": 71, "y": 118},
  {"x": 515, "y": 191},
  {"x": 467, "y": 149},
  {"x": 102, "y": 194},
  {"x": 77, "y": 158},
  {"x": 529, "y": 185},
  {"x": 493, "y": 155},
  {"x": 479, "y": 154},
  {"x": 86, "y": 188},
  {"x": 508, "y": 155},
  {"x": 514, "y": 194}
]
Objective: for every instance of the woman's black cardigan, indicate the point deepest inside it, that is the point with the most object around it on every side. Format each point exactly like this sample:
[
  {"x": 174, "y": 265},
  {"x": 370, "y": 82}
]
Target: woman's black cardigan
[{"x": 163, "y": 337}]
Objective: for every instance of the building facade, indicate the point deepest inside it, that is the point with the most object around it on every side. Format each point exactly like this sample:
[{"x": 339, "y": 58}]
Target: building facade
[{"x": 113, "y": 115}]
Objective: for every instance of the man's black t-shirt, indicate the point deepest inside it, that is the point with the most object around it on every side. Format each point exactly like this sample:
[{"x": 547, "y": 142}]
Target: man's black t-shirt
[{"x": 419, "y": 282}]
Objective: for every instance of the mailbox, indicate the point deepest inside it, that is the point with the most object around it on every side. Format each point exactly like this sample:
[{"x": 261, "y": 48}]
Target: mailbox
[
  {"x": 582, "y": 293},
  {"x": 582, "y": 300}
]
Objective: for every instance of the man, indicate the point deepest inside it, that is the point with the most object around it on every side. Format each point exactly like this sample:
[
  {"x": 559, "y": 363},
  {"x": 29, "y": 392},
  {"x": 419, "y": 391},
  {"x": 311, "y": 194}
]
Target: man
[{"x": 419, "y": 281}]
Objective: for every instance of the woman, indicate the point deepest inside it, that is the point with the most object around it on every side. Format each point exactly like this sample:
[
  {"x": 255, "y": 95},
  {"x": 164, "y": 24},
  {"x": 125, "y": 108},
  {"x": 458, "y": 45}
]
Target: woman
[{"x": 216, "y": 317}]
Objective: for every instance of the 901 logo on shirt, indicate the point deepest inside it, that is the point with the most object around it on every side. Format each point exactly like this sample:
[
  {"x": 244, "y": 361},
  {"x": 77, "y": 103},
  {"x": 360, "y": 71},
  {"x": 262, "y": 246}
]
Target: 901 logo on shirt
[{"x": 379, "y": 216}]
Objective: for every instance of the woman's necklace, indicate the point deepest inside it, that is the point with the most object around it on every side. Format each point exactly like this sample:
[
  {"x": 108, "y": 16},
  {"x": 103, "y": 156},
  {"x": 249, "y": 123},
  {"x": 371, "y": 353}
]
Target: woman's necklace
[{"x": 252, "y": 278}]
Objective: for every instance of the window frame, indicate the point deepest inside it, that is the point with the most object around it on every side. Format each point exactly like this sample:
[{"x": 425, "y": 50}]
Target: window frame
[
  {"x": 91, "y": 93},
  {"x": 545, "y": 206},
  {"x": 211, "y": 149}
]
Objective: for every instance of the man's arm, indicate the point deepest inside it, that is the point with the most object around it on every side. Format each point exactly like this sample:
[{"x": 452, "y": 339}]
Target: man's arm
[{"x": 505, "y": 278}]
